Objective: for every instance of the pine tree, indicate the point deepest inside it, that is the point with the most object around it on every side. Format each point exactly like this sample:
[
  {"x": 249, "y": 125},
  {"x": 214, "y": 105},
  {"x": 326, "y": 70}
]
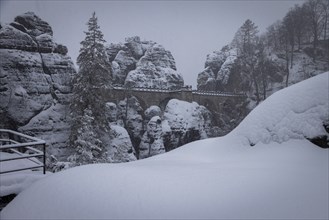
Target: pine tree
[
  {"x": 87, "y": 145},
  {"x": 90, "y": 86},
  {"x": 245, "y": 40}
]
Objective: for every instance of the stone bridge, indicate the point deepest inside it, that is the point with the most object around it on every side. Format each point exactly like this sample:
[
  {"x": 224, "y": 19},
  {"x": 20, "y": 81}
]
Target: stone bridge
[{"x": 213, "y": 101}]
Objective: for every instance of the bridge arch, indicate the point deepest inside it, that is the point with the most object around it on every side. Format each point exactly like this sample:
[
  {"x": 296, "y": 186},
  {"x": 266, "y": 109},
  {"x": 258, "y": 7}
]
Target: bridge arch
[
  {"x": 209, "y": 104},
  {"x": 163, "y": 103},
  {"x": 141, "y": 101}
]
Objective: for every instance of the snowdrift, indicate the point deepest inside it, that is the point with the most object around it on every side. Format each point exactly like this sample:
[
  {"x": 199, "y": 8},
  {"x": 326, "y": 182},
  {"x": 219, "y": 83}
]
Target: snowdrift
[
  {"x": 219, "y": 178},
  {"x": 296, "y": 112}
]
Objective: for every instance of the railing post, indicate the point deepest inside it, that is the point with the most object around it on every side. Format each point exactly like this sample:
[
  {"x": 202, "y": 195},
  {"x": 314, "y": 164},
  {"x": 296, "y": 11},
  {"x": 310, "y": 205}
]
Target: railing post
[{"x": 44, "y": 158}]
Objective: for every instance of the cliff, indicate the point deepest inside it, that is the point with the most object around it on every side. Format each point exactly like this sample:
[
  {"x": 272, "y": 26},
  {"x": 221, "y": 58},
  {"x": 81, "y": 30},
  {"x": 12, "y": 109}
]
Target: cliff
[
  {"x": 35, "y": 81},
  {"x": 144, "y": 64}
]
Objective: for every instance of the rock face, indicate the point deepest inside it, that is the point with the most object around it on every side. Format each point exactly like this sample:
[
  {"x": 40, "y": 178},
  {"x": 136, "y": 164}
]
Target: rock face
[
  {"x": 187, "y": 121},
  {"x": 120, "y": 148},
  {"x": 151, "y": 112},
  {"x": 130, "y": 116},
  {"x": 35, "y": 81},
  {"x": 152, "y": 142},
  {"x": 143, "y": 64},
  {"x": 154, "y": 131},
  {"x": 217, "y": 70},
  {"x": 111, "y": 112}
]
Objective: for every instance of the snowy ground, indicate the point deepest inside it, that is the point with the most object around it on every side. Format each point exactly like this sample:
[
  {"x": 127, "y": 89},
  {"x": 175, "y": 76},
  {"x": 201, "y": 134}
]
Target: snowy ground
[
  {"x": 14, "y": 183},
  {"x": 280, "y": 177}
]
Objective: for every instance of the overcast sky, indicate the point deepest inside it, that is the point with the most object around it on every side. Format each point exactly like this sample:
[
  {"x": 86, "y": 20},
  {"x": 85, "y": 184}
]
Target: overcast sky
[{"x": 189, "y": 29}]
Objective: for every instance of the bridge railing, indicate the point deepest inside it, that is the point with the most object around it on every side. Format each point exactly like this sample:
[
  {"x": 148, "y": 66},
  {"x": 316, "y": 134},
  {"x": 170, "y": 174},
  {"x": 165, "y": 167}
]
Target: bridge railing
[
  {"x": 21, "y": 146},
  {"x": 200, "y": 92},
  {"x": 218, "y": 93}
]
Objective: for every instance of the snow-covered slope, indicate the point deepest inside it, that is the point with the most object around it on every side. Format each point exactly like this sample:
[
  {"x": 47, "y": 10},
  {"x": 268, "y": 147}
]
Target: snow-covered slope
[
  {"x": 219, "y": 178},
  {"x": 298, "y": 111}
]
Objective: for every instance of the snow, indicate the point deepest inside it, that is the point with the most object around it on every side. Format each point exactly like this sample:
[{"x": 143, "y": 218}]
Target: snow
[
  {"x": 303, "y": 68},
  {"x": 285, "y": 115},
  {"x": 120, "y": 145},
  {"x": 218, "y": 178},
  {"x": 152, "y": 111},
  {"x": 165, "y": 126},
  {"x": 14, "y": 183},
  {"x": 198, "y": 181},
  {"x": 225, "y": 70},
  {"x": 182, "y": 115}
]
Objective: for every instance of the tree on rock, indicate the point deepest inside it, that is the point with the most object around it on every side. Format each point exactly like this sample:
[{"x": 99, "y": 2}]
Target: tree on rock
[
  {"x": 246, "y": 41},
  {"x": 246, "y": 37},
  {"x": 88, "y": 102}
]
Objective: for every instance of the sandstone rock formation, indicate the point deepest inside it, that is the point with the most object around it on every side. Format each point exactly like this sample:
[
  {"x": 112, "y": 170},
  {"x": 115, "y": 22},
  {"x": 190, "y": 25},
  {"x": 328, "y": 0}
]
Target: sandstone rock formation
[
  {"x": 35, "y": 81},
  {"x": 143, "y": 64},
  {"x": 151, "y": 112},
  {"x": 120, "y": 148},
  {"x": 217, "y": 70},
  {"x": 154, "y": 131},
  {"x": 130, "y": 117},
  {"x": 187, "y": 121},
  {"x": 152, "y": 142}
]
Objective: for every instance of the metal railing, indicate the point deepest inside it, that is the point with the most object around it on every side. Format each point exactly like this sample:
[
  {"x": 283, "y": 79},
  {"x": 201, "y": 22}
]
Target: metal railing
[
  {"x": 199, "y": 92},
  {"x": 22, "y": 146}
]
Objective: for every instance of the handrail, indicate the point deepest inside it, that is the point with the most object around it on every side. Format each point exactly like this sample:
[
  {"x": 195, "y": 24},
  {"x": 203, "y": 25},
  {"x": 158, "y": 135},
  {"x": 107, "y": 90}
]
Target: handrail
[
  {"x": 22, "y": 135},
  {"x": 31, "y": 145},
  {"x": 199, "y": 92}
]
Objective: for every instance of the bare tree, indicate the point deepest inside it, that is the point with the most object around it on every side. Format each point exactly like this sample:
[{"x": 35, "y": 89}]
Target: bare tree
[
  {"x": 314, "y": 12},
  {"x": 300, "y": 23},
  {"x": 289, "y": 28},
  {"x": 284, "y": 43},
  {"x": 272, "y": 35}
]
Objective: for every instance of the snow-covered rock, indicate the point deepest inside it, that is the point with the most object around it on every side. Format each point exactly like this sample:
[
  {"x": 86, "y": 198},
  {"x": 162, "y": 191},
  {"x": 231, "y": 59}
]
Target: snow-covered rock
[
  {"x": 152, "y": 142},
  {"x": 156, "y": 69},
  {"x": 135, "y": 46},
  {"x": 215, "y": 60},
  {"x": 297, "y": 112},
  {"x": 130, "y": 116},
  {"x": 12, "y": 37},
  {"x": 34, "y": 25},
  {"x": 51, "y": 125},
  {"x": 151, "y": 112},
  {"x": 122, "y": 64},
  {"x": 120, "y": 148},
  {"x": 188, "y": 121},
  {"x": 139, "y": 63},
  {"x": 35, "y": 78},
  {"x": 180, "y": 123},
  {"x": 206, "y": 80},
  {"x": 113, "y": 49},
  {"x": 225, "y": 69},
  {"x": 217, "y": 70},
  {"x": 111, "y": 112}
]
